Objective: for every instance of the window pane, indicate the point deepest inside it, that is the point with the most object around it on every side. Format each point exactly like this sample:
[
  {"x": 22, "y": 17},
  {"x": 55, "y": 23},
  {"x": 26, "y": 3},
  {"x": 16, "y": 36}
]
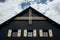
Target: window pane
[
  {"x": 45, "y": 34},
  {"x": 29, "y": 34},
  {"x": 14, "y": 34}
]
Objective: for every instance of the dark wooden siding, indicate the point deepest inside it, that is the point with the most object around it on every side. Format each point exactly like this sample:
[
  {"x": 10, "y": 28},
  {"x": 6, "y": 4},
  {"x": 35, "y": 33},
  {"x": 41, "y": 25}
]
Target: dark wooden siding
[{"x": 15, "y": 25}]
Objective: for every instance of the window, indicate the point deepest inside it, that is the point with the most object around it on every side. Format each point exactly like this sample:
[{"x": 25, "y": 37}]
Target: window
[
  {"x": 45, "y": 34},
  {"x": 29, "y": 34},
  {"x": 14, "y": 34}
]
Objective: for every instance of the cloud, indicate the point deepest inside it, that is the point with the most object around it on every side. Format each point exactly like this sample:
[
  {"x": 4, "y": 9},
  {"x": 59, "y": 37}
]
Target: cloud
[
  {"x": 9, "y": 9},
  {"x": 54, "y": 10},
  {"x": 40, "y": 7},
  {"x": 51, "y": 9}
]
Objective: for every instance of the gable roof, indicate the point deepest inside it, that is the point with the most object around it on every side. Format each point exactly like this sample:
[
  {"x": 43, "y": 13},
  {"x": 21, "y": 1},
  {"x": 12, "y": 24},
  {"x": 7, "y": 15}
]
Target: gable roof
[
  {"x": 10, "y": 15},
  {"x": 48, "y": 19},
  {"x": 6, "y": 12}
]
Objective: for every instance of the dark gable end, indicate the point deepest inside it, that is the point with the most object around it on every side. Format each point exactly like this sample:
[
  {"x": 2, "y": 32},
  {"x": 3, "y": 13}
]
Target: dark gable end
[
  {"x": 25, "y": 11},
  {"x": 30, "y": 25}
]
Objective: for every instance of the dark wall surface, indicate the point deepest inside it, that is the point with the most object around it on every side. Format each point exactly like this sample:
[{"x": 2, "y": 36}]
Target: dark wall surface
[{"x": 15, "y": 25}]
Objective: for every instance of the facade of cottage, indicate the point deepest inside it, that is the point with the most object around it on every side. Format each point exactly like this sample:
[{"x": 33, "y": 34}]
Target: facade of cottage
[{"x": 30, "y": 25}]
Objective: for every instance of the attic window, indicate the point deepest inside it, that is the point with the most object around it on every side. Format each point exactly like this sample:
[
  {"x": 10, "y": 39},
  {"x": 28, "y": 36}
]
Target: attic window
[
  {"x": 46, "y": 33},
  {"x": 14, "y": 33},
  {"x": 30, "y": 33}
]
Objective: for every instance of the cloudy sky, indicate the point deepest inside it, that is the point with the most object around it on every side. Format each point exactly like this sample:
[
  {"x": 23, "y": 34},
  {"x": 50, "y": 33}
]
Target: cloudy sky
[{"x": 10, "y": 8}]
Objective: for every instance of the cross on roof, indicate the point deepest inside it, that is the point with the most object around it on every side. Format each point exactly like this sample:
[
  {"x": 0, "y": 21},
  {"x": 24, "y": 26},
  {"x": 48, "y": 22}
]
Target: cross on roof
[{"x": 30, "y": 17}]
